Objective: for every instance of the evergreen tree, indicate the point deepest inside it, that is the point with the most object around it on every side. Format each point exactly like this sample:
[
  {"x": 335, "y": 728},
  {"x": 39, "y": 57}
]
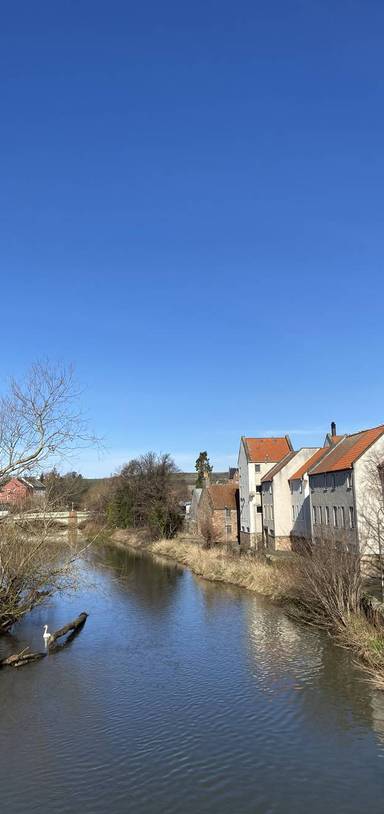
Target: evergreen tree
[{"x": 203, "y": 468}]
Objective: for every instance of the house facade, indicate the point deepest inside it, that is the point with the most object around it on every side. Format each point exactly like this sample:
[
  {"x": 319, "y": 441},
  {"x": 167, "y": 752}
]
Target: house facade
[
  {"x": 301, "y": 495},
  {"x": 256, "y": 457},
  {"x": 276, "y": 500},
  {"x": 346, "y": 491},
  {"x": 301, "y": 500},
  {"x": 19, "y": 490},
  {"x": 218, "y": 506}
]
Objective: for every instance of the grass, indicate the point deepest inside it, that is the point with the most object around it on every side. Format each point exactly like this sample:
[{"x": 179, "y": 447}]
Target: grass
[
  {"x": 216, "y": 564},
  {"x": 367, "y": 642},
  {"x": 288, "y": 581}
]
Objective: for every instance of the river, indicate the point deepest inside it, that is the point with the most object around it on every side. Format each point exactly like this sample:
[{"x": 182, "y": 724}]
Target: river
[{"x": 184, "y": 696}]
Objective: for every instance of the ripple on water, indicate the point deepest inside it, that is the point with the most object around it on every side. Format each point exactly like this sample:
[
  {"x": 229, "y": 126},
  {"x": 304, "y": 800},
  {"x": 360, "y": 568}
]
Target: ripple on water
[{"x": 180, "y": 696}]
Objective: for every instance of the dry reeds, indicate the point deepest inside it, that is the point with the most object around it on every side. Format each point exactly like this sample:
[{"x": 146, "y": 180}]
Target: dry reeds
[{"x": 217, "y": 564}]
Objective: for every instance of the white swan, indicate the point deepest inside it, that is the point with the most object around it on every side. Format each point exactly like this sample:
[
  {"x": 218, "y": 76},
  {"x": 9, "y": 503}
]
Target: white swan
[{"x": 46, "y": 635}]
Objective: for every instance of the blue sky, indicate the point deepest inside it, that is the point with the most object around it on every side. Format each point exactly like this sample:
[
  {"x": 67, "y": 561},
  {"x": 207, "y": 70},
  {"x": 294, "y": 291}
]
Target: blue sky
[{"x": 191, "y": 211}]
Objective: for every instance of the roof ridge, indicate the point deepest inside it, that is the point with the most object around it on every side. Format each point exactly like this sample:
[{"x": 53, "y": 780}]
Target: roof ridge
[
  {"x": 263, "y": 437},
  {"x": 359, "y": 432},
  {"x": 348, "y": 450},
  {"x": 327, "y": 451}
]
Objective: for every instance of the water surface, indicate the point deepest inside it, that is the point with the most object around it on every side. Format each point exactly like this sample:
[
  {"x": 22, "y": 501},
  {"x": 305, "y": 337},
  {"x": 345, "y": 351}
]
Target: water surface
[{"x": 184, "y": 696}]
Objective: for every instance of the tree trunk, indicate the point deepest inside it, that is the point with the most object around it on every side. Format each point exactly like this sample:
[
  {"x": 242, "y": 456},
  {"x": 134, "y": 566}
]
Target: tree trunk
[
  {"x": 19, "y": 659},
  {"x": 72, "y": 627}
]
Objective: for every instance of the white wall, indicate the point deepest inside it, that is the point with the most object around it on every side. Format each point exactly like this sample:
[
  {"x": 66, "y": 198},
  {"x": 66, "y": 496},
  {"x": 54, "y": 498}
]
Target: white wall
[
  {"x": 300, "y": 500},
  {"x": 282, "y": 498},
  {"x": 250, "y": 498},
  {"x": 368, "y": 497},
  {"x": 244, "y": 488}
]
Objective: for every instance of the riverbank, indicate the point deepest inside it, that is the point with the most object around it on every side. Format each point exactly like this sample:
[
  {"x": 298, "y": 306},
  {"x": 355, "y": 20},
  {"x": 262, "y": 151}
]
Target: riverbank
[
  {"x": 283, "y": 581},
  {"x": 274, "y": 580}
]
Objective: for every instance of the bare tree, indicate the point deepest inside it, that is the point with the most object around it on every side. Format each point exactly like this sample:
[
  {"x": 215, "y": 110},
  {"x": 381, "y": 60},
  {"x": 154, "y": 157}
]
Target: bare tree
[
  {"x": 208, "y": 531},
  {"x": 39, "y": 422},
  {"x": 370, "y": 515},
  {"x": 147, "y": 496},
  {"x": 35, "y": 563},
  {"x": 328, "y": 586}
]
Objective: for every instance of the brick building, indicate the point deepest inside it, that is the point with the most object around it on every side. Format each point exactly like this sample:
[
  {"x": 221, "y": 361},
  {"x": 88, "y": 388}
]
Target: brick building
[
  {"x": 20, "y": 490},
  {"x": 219, "y": 505}
]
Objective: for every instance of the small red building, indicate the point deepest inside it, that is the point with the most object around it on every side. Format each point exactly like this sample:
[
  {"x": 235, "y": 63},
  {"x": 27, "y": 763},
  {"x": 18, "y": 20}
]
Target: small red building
[{"x": 19, "y": 490}]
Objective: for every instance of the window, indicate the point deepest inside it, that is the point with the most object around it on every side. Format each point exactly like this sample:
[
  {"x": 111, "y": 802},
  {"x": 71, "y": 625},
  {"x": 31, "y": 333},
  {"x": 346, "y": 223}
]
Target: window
[
  {"x": 259, "y": 509},
  {"x": 314, "y": 514},
  {"x": 257, "y": 467},
  {"x": 320, "y": 515},
  {"x": 301, "y": 487},
  {"x": 351, "y": 517},
  {"x": 349, "y": 480},
  {"x": 333, "y": 481},
  {"x": 270, "y": 488},
  {"x": 335, "y": 516},
  {"x": 258, "y": 487},
  {"x": 265, "y": 512},
  {"x": 227, "y": 514},
  {"x": 327, "y": 515},
  {"x": 342, "y": 516},
  {"x": 228, "y": 529}
]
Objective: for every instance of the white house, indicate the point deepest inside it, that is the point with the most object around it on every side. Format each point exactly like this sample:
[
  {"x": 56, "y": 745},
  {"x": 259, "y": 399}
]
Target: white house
[
  {"x": 300, "y": 498},
  {"x": 256, "y": 456},
  {"x": 276, "y": 499},
  {"x": 346, "y": 491}
]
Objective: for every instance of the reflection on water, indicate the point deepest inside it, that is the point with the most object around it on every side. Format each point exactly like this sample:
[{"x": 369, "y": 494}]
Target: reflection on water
[
  {"x": 153, "y": 587},
  {"x": 183, "y": 695}
]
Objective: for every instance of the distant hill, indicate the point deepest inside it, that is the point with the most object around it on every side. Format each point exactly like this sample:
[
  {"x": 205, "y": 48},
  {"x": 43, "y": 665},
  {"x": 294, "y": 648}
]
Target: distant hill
[{"x": 189, "y": 478}]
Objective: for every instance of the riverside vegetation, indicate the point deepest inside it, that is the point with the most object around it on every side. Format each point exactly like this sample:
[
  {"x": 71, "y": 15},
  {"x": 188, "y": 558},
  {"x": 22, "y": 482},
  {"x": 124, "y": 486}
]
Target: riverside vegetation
[{"x": 323, "y": 587}]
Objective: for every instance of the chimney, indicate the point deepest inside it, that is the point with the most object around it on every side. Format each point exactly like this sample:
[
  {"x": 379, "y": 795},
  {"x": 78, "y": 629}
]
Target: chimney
[{"x": 333, "y": 429}]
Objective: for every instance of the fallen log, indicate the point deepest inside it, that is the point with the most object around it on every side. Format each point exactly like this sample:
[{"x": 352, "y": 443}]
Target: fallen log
[
  {"x": 19, "y": 659},
  {"x": 72, "y": 627}
]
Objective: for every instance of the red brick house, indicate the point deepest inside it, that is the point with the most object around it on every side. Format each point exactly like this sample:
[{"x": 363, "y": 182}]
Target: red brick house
[
  {"x": 19, "y": 490},
  {"x": 218, "y": 506}
]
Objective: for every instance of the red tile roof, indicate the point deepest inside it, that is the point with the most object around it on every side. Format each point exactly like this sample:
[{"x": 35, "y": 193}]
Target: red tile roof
[
  {"x": 223, "y": 495},
  {"x": 263, "y": 450},
  {"x": 278, "y": 467},
  {"x": 310, "y": 462},
  {"x": 344, "y": 455}
]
